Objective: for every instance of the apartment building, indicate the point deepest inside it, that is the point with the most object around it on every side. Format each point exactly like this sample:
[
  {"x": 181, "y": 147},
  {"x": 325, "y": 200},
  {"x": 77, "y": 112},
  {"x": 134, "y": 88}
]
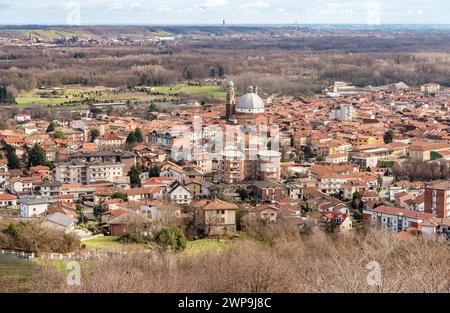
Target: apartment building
[
  {"x": 117, "y": 156},
  {"x": 437, "y": 199},
  {"x": 394, "y": 219},
  {"x": 236, "y": 166},
  {"x": 110, "y": 141},
  {"x": 79, "y": 172},
  {"x": 231, "y": 167},
  {"x": 88, "y": 124},
  {"x": 345, "y": 112}
]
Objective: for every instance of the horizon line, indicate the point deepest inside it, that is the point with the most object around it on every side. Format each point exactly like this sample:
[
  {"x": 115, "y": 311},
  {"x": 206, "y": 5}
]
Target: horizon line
[{"x": 226, "y": 25}]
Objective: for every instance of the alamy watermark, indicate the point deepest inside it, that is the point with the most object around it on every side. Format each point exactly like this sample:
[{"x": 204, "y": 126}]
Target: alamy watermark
[
  {"x": 211, "y": 142},
  {"x": 74, "y": 13},
  {"x": 374, "y": 277},
  {"x": 73, "y": 277}
]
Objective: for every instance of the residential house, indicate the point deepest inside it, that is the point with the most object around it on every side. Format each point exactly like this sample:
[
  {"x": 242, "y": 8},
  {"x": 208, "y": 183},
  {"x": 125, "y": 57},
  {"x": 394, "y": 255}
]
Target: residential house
[
  {"x": 267, "y": 212},
  {"x": 171, "y": 170},
  {"x": 8, "y": 201},
  {"x": 33, "y": 206},
  {"x": 180, "y": 194},
  {"x": 59, "y": 221},
  {"x": 219, "y": 217},
  {"x": 110, "y": 141},
  {"x": 130, "y": 222},
  {"x": 269, "y": 191},
  {"x": 336, "y": 221}
]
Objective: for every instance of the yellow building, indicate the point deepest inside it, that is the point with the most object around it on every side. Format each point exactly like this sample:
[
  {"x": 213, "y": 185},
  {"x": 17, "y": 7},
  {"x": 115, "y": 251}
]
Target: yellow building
[
  {"x": 195, "y": 187},
  {"x": 361, "y": 140},
  {"x": 422, "y": 150}
]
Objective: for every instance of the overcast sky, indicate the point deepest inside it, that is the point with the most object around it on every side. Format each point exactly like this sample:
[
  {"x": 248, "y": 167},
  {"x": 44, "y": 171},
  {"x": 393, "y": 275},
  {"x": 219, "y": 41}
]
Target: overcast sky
[{"x": 89, "y": 12}]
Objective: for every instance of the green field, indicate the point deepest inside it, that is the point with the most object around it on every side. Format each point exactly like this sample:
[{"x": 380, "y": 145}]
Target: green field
[
  {"x": 76, "y": 95},
  {"x": 15, "y": 274},
  {"x": 79, "y": 95},
  {"x": 193, "y": 247},
  {"x": 104, "y": 242},
  {"x": 206, "y": 245},
  {"x": 52, "y": 33},
  {"x": 212, "y": 91}
]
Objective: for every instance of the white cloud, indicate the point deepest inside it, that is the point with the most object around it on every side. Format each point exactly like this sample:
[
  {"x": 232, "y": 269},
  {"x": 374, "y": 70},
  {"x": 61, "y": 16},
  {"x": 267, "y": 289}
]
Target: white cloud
[
  {"x": 164, "y": 9},
  {"x": 252, "y": 6},
  {"x": 116, "y": 6},
  {"x": 214, "y": 4}
]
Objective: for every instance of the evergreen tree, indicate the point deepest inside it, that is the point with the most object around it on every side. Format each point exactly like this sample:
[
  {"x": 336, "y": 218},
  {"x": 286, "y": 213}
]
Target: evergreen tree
[
  {"x": 357, "y": 218},
  {"x": 58, "y": 134},
  {"x": 154, "y": 171},
  {"x": 96, "y": 111},
  {"x": 13, "y": 160},
  {"x": 5, "y": 95},
  {"x": 94, "y": 134},
  {"x": 131, "y": 138},
  {"x": 221, "y": 71},
  {"x": 37, "y": 156},
  {"x": 138, "y": 135},
  {"x": 51, "y": 127},
  {"x": 388, "y": 136},
  {"x": 189, "y": 75},
  {"x": 135, "y": 176},
  {"x": 357, "y": 203}
]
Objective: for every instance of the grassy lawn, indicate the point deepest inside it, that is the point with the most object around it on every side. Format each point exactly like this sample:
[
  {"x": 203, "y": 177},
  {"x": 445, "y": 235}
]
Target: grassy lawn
[
  {"x": 213, "y": 91},
  {"x": 15, "y": 274},
  {"x": 206, "y": 245},
  {"x": 105, "y": 242},
  {"x": 112, "y": 243},
  {"x": 73, "y": 95}
]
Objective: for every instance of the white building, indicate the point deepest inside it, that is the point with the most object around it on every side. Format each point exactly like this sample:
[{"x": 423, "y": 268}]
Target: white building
[
  {"x": 79, "y": 172},
  {"x": 394, "y": 219},
  {"x": 180, "y": 194},
  {"x": 20, "y": 118},
  {"x": 33, "y": 206},
  {"x": 345, "y": 112}
]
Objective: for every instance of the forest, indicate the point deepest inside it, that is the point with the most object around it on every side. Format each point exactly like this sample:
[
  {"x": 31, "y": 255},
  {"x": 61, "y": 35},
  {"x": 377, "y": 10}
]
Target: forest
[
  {"x": 315, "y": 263},
  {"x": 303, "y": 64}
]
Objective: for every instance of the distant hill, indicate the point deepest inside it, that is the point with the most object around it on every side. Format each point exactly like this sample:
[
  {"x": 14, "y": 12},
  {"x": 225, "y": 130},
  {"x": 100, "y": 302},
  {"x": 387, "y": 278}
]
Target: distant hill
[{"x": 140, "y": 32}]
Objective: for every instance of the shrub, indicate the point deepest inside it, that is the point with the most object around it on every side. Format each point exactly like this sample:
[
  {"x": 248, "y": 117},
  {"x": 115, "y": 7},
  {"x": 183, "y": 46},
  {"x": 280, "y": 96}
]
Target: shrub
[
  {"x": 171, "y": 238},
  {"x": 33, "y": 237}
]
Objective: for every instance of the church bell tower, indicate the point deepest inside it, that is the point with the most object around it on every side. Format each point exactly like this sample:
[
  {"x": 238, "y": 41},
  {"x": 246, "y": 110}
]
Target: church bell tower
[{"x": 231, "y": 102}]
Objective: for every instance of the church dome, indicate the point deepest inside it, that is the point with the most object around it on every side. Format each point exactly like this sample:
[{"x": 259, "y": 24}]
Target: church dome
[{"x": 250, "y": 103}]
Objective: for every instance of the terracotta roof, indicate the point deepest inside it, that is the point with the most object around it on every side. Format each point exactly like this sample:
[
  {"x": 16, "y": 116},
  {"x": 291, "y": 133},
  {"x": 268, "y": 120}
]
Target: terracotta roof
[
  {"x": 6, "y": 197},
  {"x": 398, "y": 211},
  {"x": 214, "y": 204}
]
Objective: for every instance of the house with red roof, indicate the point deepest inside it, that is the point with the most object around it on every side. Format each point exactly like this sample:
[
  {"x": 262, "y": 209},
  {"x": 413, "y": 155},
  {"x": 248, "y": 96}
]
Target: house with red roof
[{"x": 394, "y": 219}]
